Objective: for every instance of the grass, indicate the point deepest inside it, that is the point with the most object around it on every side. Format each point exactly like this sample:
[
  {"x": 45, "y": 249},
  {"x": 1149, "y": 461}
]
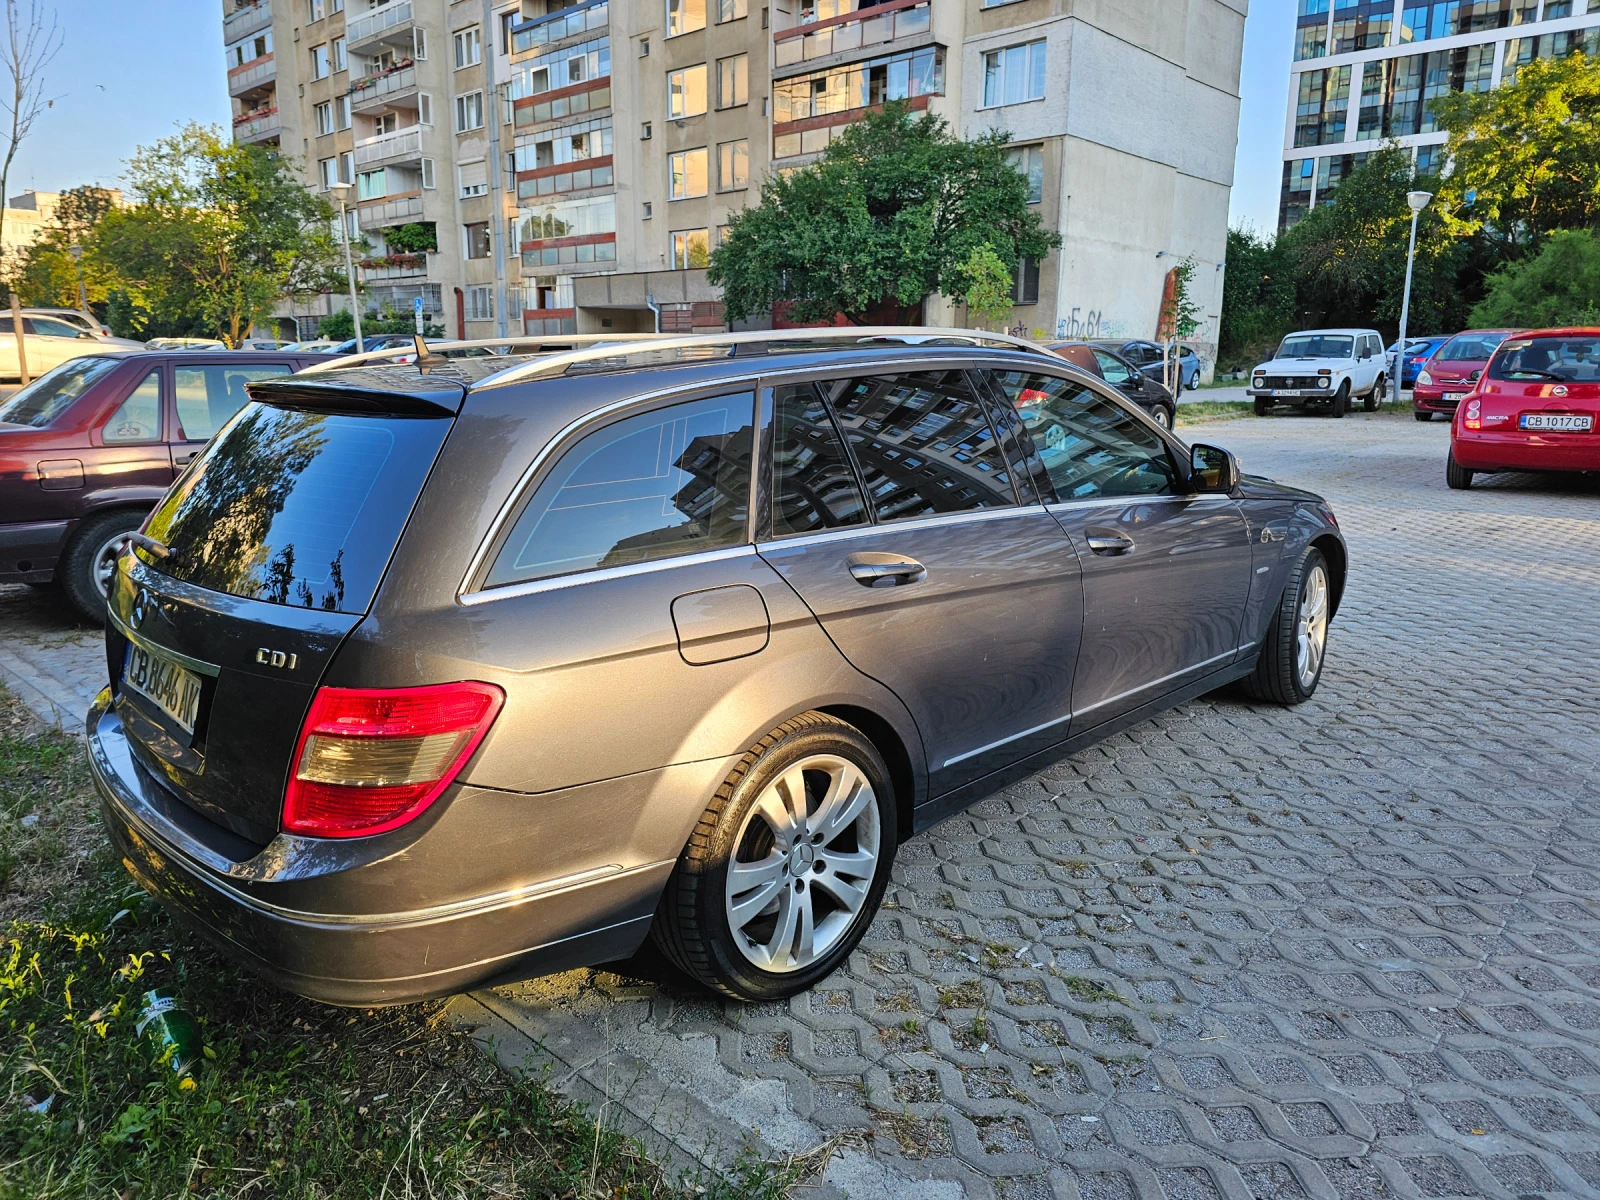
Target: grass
[
  {"x": 1196, "y": 411},
  {"x": 293, "y": 1099}
]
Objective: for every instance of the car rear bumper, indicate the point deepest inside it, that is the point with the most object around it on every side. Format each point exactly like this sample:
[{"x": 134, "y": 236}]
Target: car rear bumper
[
  {"x": 356, "y": 958},
  {"x": 28, "y": 550},
  {"x": 1516, "y": 451}
]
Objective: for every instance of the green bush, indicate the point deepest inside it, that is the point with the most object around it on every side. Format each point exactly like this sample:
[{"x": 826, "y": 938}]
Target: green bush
[{"x": 1558, "y": 286}]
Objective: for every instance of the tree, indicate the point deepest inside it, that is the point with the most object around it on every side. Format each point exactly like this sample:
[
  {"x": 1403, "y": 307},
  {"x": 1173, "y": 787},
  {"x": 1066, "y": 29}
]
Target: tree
[
  {"x": 1258, "y": 298},
  {"x": 217, "y": 233},
  {"x": 30, "y": 44},
  {"x": 895, "y": 209},
  {"x": 1525, "y": 157},
  {"x": 1558, "y": 286},
  {"x": 45, "y": 273},
  {"x": 988, "y": 285}
]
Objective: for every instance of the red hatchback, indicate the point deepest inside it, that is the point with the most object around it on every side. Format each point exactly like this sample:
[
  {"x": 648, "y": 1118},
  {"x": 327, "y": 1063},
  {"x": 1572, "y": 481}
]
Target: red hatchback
[
  {"x": 87, "y": 449},
  {"x": 1535, "y": 408},
  {"x": 1453, "y": 371}
]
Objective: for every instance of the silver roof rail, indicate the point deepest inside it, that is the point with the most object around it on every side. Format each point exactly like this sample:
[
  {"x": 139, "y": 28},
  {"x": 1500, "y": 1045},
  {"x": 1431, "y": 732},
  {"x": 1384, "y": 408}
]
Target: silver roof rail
[
  {"x": 912, "y": 334},
  {"x": 545, "y": 339}
]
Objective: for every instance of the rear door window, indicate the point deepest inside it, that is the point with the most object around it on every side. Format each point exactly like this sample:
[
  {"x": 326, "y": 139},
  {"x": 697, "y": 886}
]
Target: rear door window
[
  {"x": 1112, "y": 368},
  {"x": 295, "y": 507},
  {"x": 670, "y": 481},
  {"x": 923, "y": 443},
  {"x": 813, "y": 484},
  {"x": 1091, "y": 447},
  {"x": 208, "y": 396},
  {"x": 138, "y": 418}
]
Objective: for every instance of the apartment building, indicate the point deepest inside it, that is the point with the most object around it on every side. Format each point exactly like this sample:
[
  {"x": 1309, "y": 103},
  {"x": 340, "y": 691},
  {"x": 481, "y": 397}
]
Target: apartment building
[
  {"x": 1365, "y": 72},
  {"x": 630, "y": 131}
]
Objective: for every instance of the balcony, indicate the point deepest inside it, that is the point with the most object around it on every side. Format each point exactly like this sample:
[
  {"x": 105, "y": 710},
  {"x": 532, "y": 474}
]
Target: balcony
[
  {"x": 413, "y": 267},
  {"x": 253, "y": 75},
  {"x": 877, "y": 26},
  {"x": 258, "y": 125},
  {"x": 391, "y": 23},
  {"x": 385, "y": 91},
  {"x": 403, "y": 145},
  {"x": 401, "y": 296},
  {"x": 391, "y": 210},
  {"x": 245, "y": 20},
  {"x": 532, "y": 36}
]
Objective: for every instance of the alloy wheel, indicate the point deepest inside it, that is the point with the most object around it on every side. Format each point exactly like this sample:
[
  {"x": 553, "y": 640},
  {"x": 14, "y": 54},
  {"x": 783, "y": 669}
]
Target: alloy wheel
[
  {"x": 803, "y": 864},
  {"x": 1311, "y": 627},
  {"x": 105, "y": 560}
]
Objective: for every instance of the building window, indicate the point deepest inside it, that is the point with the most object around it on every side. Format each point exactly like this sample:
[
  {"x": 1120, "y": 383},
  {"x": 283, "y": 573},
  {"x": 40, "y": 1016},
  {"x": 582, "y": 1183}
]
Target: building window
[
  {"x": 324, "y": 113},
  {"x": 691, "y": 249},
  {"x": 341, "y": 56},
  {"x": 469, "y": 112},
  {"x": 644, "y": 131},
  {"x": 1029, "y": 162},
  {"x": 1294, "y": 201},
  {"x": 336, "y": 6},
  {"x": 477, "y": 240},
  {"x": 1025, "y": 284},
  {"x": 469, "y": 48},
  {"x": 850, "y": 88},
  {"x": 424, "y": 109},
  {"x": 686, "y": 92},
  {"x": 385, "y": 123},
  {"x": 328, "y": 171},
  {"x": 733, "y": 81},
  {"x": 689, "y": 172},
  {"x": 372, "y": 185},
  {"x": 474, "y": 177},
  {"x": 685, "y": 16},
  {"x": 644, "y": 47},
  {"x": 733, "y": 165},
  {"x": 1362, "y": 25},
  {"x": 732, "y": 10},
  {"x": 249, "y": 49},
  {"x": 646, "y": 210},
  {"x": 1013, "y": 75},
  {"x": 341, "y": 112},
  {"x": 419, "y": 43},
  {"x": 347, "y": 163},
  {"x": 319, "y": 62},
  {"x": 314, "y": 10},
  {"x": 427, "y": 174},
  {"x": 1322, "y": 106},
  {"x": 480, "y": 302}
]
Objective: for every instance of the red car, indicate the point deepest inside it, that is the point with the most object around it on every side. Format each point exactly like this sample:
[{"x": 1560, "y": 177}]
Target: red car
[
  {"x": 87, "y": 449},
  {"x": 1453, "y": 371},
  {"x": 1535, "y": 408}
]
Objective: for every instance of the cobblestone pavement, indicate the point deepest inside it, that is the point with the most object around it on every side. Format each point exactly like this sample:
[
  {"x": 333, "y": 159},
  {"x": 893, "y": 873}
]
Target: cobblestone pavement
[
  {"x": 49, "y": 658},
  {"x": 1346, "y": 950}
]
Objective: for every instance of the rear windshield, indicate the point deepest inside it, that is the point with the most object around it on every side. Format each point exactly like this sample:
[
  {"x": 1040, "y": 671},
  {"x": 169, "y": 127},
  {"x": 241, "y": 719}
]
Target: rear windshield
[
  {"x": 1558, "y": 359},
  {"x": 297, "y": 508},
  {"x": 49, "y": 395},
  {"x": 1471, "y": 347},
  {"x": 1316, "y": 345}
]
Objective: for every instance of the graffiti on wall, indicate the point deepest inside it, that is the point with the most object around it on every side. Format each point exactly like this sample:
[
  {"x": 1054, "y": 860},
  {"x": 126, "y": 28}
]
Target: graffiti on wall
[{"x": 1089, "y": 324}]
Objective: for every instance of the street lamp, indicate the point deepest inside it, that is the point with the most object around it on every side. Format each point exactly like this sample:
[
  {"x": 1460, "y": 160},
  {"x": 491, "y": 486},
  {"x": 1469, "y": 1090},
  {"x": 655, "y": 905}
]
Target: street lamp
[
  {"x": 1418, "y": 201},
  {"x": 341, "y": 190},
  {"x": 77, "y": 261}
]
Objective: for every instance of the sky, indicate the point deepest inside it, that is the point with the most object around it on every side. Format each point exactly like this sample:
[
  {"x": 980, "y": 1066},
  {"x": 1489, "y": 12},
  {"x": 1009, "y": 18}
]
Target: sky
[{"x": 130, "y": 73}]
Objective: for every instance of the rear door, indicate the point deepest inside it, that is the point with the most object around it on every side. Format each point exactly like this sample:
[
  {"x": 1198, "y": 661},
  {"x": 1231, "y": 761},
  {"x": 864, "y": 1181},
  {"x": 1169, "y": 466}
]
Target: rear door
[
  {"x": 916, "y": 556},
  {"x": 1165, "y": 573},
  {"x": 277, "y": 547},
  {"x": 206, "y": 393},
  {"x": 127, "y": 460}
]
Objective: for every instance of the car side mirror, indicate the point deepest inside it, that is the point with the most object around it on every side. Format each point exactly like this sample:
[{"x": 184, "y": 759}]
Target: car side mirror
[{"x": 1212, "y": 470}]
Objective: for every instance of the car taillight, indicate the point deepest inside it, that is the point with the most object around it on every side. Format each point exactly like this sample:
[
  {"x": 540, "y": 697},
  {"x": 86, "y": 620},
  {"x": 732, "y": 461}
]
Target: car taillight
[
  {"x": 1474, "y": 415},
  {"x": 371, "y": 759}
]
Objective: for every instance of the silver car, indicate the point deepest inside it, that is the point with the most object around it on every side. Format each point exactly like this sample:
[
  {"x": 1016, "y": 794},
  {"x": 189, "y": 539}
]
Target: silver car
[{"x": 431, "y": 675}]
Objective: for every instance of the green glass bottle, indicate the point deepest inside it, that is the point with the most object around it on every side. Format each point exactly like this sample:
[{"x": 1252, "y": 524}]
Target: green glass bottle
[{"x": 171, "y": 1026}]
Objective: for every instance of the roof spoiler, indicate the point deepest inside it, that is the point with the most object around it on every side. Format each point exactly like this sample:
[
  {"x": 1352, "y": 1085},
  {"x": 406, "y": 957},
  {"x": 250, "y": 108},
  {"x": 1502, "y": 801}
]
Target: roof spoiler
[{"x": 395, "y": 390}]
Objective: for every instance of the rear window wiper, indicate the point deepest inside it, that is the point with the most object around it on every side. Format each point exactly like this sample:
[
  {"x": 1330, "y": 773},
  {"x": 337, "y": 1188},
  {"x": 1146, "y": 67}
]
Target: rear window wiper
[{"x": 1540, "y": 374}]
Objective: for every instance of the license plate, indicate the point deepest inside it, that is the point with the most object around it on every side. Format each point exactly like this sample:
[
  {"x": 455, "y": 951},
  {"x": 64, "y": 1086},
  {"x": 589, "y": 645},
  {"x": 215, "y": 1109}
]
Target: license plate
[
  {"x": 1558, "y": 422},
  {"x": 1454, "y": 397},
  {"x": 173, "y": 689},
  {"x": 1285, "y": 391}
]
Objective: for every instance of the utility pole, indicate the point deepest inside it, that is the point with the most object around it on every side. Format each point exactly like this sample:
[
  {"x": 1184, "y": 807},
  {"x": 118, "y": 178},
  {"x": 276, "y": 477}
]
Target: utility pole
[
  {"x": 1418, "y": 201},
  {"x": 497, "y": 220},
  {"x": 339, "y": 190}
]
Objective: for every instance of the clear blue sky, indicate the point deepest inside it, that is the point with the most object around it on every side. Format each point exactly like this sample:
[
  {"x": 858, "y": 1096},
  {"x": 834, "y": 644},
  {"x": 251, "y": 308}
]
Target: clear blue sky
[{"x": 159, "y": 63}]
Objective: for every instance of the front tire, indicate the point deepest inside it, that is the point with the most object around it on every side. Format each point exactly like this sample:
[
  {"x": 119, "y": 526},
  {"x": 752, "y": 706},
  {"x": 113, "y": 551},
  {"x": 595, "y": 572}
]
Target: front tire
[
  {"x": 1422, "y": 416},
  {"x": 1378, "y": 394},
  {"x": 1455, "y": 476},
  {"x": 91, "y": 558},
  {"x": 787, "y": 865},
  {"x": 1341, "y": 399},
  {"x": 1263, "y": 407},
  {"x": 1162, "y": 416},
  {"x": 1290, "y": 665}
]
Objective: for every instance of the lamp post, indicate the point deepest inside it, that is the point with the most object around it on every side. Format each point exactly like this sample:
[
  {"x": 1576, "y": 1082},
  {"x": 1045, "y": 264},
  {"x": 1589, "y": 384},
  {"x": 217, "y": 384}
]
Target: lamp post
[
  {"x": 77, "y": 261},
  {"x": 1418, "y": 201},
  {"x": 341, "y": 190}
]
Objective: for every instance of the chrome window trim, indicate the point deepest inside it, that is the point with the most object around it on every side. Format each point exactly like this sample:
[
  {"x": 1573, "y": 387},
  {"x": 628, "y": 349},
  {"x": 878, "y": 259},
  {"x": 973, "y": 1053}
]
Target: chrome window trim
[
  {"x": 854, "y": 531},
  {"x": 554, "y": 583},
  {"x": 1153, "y": 498}
]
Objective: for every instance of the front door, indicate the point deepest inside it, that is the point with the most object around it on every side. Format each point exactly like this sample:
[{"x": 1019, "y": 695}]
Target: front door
[
  {"x": 1165, "y": 573},
  {"x": 922, "y": 566}
]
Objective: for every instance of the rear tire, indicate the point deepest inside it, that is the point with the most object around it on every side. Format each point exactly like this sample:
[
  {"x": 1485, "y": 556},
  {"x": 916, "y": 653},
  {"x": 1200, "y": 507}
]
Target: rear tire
[
  {"x": 1263, "y": 407},
  {"x": 1341, "y": 400},
  {"x": 1379, "y": 393},
  {"x": 758, "y": 877},
  {"x": 91, "y": 557},
  {"x": 1457, "y": 477},
  {"x": 1290, "y": 664}
]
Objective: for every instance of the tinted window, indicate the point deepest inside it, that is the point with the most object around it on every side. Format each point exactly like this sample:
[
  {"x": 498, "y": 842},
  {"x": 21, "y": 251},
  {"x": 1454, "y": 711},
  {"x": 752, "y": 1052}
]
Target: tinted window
[
  {"x": 49, "y": 327},
  {"x": 1112, "y": 368},
  {"x": 1573, "y": 359},
  {"x": 923, "y": 443},
  {"x": 42, "y": 400},
  {"x": 208, "y": 396},
  {"x": 297, "y": 508},
  {"x": 672, "y": 481},
  {"x": 1471, "y": 347},
  {"x": 138, "y": 419},
  {"x": 813, "y": 485},
  {"x": 1090, "y": 446}
]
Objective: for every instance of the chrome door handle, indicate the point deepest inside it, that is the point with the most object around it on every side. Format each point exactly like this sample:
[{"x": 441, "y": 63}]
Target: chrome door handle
[
  {"x": 885, "y": 570},
  {"x": 1109, "y": 543}
]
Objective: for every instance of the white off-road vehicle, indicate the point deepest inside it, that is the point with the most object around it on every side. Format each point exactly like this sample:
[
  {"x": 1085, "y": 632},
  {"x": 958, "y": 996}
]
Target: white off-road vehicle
[{"x": 1323, "y": 367}]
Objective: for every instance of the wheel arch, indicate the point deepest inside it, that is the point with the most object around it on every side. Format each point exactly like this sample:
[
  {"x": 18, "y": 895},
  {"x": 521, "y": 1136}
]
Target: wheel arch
[
  {"x": 884, "y": 737},
  {"x": 1338, "y": 565}
]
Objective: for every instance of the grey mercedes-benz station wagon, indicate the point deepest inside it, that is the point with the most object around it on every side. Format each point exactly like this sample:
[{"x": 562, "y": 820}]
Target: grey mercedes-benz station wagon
[{"x": 429, "y": 675}]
